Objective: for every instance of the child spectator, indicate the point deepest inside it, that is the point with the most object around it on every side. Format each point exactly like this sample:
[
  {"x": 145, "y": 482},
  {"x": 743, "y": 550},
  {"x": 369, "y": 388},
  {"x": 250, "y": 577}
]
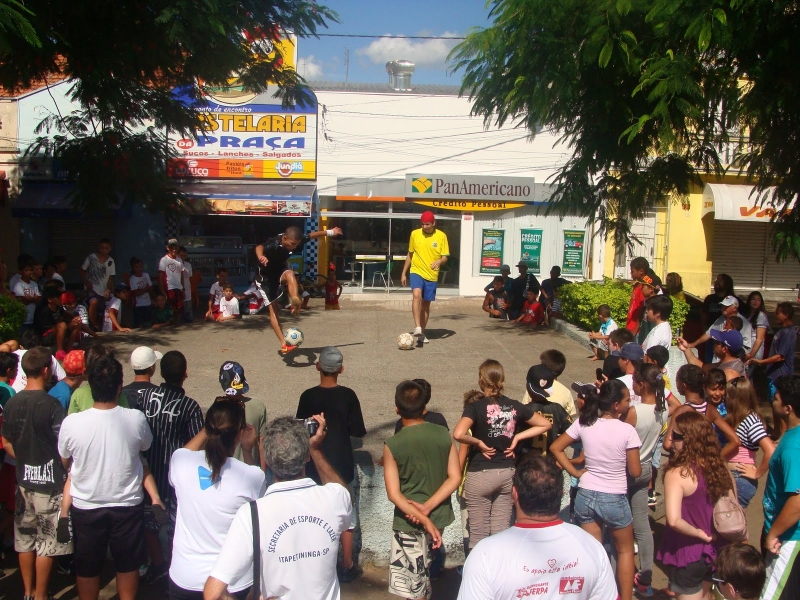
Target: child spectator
[
  {"x": 650, "y": 285},
  {"x": 170, "y": 277},
  {"x": 37, "y": 273},
  {"x": 430, "y": 416},
  {"x": 532, "y": 312},
  {"x": 555, "y": 307},
  {"x": 59, "y": 265},
  {"x": 496, "y": 300},
  {"x": 235, "y": 386},
  {"x": 420, "y": 472},
  {"x": 616, "y": 340},
  {"x": 162, "y": 312},
  {"x": 538, "y": 381},
  {"x": 75, "y": 368},
  {"x": 556, "y": 362},
  {"x": 97, "y": 272},
  {"x": 598, "y": 340},
  {"x": 229, "y": 305},
  {"x": 48, "y": 321},
  {"x": 344, "y": 420},
  {"x": 740, "y": 572},
  {"x": 215, "y": 294},
  {"x": 658, "y": 310},
  {"x": 50, "y": 276},
  {"x": 142, "y": 292},
  {"x": 77, "y": 319},
  {"x": 253, "y": 300},
  {"x": 27, "y": 291},
  {"x": 188, "y": 315},
  {"x": 333, "y": 289},
  {"x": 114, "y": 308},
  {"x": 9, "y": 364}
]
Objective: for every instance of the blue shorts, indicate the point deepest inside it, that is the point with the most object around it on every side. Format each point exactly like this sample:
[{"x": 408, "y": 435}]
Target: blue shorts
[
  {"x": 428, "y": 287},
  {"x": 612, "y": 510}
]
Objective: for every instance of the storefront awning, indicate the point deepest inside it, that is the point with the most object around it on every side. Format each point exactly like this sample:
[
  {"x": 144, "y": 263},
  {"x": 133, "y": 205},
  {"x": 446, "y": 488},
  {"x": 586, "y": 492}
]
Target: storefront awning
[
  {"x": 51, "y": 199},
  {"x": 260, "y": 200},
  {"x": 736, "y": 203}
]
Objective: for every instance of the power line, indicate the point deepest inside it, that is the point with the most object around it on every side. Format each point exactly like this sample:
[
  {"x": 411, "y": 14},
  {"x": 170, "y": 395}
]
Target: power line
[{"x": 387, "y": 35}]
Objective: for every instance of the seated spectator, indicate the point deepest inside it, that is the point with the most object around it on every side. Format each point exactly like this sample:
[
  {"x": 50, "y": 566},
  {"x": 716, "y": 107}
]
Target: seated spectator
[
  {"x": 573, "y": 562},
  {"x": 505, "y": 277},
  {"x": 113, "y": 313},
  {"x": 532, "y": 311},
  {"x": 598, "y": 340},
  {"x": 162, "y": 312},
  {"x": 97, "y": 272},
  {"x": 77, "y": 319},
  {"x": 48, "y": 321},
  {"x": 550, "y": 285},
  {"x": 520, "y": 286},
  {"x": 496, "y": 301},
  {"x": 27, "y": 291},
  {"x": 215, "y": 294},
  {"x": 228, "y": 305},
  {"x": 740, "y": 572},
  {"x": 287, "y": 448}
]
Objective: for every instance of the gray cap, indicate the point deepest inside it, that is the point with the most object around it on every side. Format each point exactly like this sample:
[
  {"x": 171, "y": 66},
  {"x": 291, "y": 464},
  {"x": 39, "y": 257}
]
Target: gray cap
[
  {"x": 330, "y": 359},
  {"x": 505, "y": 268},
  {"x": 631, "y": 351}
]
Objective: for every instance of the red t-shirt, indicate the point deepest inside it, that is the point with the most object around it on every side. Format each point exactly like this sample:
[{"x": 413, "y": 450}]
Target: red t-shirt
[
  {"x": 635, "y": 309},
  {"x": 331, "y": 291},
  {"x": 533, "y": 311}
]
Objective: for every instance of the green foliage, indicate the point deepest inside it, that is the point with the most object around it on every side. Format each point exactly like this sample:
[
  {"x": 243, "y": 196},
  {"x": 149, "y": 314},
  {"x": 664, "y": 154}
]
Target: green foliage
[
  {"x": 14, "y": 22},
  {"x": 649, "y": 95},
  {"x": 580, "y": 302},
  {"x": 14, "y": 313},
  {"x": 124, "y": 60}
]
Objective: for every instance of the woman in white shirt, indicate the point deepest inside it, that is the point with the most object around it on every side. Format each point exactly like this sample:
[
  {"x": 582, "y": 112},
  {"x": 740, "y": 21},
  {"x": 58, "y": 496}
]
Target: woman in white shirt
[
  {"x": 210, "y": 486},
  {"x": 759, "y": 323}
]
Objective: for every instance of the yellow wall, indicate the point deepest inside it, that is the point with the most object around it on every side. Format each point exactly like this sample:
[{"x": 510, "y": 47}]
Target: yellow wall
[{"x": 689, "y": 244}]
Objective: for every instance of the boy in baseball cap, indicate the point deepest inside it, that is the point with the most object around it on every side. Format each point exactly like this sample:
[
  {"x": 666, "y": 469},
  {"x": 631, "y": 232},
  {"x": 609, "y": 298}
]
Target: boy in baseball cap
[
  {"x": 537, "y": 383},
  {"x": 234, "y": 385},
  {"x": 143, "y": 363}
]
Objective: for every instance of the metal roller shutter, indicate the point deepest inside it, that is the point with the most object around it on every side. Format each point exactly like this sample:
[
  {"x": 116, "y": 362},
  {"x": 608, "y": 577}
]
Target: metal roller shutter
[
  {"x": 739, "y": 251},
  {"x": 781, "y": 276},
  {"x": 76, "y": 239}
]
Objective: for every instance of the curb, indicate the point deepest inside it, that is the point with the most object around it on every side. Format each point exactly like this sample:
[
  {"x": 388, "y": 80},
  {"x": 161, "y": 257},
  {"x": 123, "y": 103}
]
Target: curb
[{"x": 576, "y": 334}]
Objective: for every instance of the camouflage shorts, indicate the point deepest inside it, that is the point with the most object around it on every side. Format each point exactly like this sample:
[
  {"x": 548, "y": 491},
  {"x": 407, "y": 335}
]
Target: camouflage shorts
[{"x": 35, "y": 521}]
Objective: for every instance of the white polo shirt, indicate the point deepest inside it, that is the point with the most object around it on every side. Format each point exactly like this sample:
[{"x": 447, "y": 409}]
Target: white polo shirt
[{"x": 300, "y": 523}]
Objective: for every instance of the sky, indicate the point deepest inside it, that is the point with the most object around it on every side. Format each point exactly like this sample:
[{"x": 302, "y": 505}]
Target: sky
[{"x": 323, "y": 59}]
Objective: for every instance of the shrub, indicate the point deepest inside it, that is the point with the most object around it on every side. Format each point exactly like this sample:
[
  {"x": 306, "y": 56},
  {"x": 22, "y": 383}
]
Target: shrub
[
  {"x": 13, "y": 316},
  {"x": 580, "y": 302}
]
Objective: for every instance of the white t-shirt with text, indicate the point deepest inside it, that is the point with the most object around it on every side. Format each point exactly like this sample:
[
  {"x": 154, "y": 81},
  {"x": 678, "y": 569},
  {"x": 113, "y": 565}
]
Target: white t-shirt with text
[
  {"x": 173, "y": 268},
  {"x": 104, "y": 446},
  {"x": 300, "y": 524},
  {"x": 115, "y": 304},
  {"x": 551, "y": 561},
  {"x": 27, "y": 290},
  {"x": 660, "y": 335},
  {"x": 228, "y": 308},
  {"x": 99, "y": 273},
  {"x": 216, "y": 292},
  {"x": 205, "y": 512},
  {"x": 141, "y": 283}
]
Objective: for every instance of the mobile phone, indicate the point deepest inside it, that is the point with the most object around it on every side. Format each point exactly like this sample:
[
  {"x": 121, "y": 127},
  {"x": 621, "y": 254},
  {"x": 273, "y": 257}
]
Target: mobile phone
[{"x": 599, "y": 374}]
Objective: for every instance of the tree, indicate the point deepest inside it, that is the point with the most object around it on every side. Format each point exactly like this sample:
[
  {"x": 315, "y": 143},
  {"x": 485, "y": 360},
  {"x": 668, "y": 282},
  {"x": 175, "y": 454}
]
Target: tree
[
  {"x": 14, "y": 23},
  {"x": 649, "y": 94},
  {"x": 124, "y": 59}
]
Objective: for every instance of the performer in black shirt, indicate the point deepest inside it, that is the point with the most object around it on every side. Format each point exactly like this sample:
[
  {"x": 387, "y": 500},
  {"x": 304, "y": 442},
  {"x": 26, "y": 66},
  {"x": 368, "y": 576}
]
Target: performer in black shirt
[{"x": 276, "y": 277}]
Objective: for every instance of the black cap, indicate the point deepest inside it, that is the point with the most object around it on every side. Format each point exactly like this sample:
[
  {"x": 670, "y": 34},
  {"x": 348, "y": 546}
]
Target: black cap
[
  {"x": 539, "y": 379},
  {"x": 583, "y": 389}
]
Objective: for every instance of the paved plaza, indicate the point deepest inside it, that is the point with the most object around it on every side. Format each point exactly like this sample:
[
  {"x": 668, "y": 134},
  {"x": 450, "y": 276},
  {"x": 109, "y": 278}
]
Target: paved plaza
[{"x": 461, "y": 337}]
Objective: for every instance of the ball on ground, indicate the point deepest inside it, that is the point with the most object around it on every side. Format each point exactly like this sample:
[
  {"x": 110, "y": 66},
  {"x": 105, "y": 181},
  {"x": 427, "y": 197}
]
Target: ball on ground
[
  {"x": 405, "y": 341},
  {"x": 293, "y": 336}
]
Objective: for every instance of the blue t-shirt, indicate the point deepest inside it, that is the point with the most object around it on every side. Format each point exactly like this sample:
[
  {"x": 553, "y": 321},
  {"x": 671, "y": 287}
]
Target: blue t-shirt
[
  {"x": 6, "y": 391},
  {"x": 61, "y": 392},
  {"x": 783, "y": 481},
  {"x": 783, "y": 343}
]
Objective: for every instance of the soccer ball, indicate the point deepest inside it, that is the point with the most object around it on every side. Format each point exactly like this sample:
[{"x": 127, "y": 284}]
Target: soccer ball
[
  {"x": 405, "y": 341},
  {"x": 293, "y": 336}
]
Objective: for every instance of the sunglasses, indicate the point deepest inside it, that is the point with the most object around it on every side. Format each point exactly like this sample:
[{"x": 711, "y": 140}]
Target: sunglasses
[{"x": 677, "y": 437}]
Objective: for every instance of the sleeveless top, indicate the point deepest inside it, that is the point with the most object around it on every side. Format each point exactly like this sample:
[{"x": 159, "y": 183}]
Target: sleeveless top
[
  {"x": 680, "y": 550},
  {"x": 649, "y": 424},
  {"x": 701, "y": 408}
]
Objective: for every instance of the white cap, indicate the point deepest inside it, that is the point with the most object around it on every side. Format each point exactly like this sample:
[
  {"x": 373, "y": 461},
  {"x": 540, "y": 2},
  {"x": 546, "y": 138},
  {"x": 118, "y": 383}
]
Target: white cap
[
  {"x": 144, "y": 358},
  {"x": 730, "y": 301}
]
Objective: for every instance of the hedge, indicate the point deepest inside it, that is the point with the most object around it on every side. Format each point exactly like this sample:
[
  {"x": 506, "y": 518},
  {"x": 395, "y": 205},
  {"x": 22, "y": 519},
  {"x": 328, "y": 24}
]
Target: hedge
[
  {"x": 580, "y": 302},
  {"x": 12, "y": 316}
]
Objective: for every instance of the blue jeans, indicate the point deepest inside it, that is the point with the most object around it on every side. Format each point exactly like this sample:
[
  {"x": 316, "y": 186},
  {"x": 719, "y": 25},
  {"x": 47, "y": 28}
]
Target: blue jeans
[
  {"x": 612, "y": 510},
  {"x": 745, "y": 488}
]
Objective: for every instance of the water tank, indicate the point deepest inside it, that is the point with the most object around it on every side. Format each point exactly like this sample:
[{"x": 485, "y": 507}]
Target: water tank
[{"x": 400, "y": 72}]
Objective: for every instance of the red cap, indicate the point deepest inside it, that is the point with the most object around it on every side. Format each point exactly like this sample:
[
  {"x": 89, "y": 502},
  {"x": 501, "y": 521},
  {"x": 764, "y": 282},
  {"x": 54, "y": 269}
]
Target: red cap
[
  {"x": 427, "y": 217},
  {"x": 74, "y": 363},
  {"x": 67, "y": 298}
]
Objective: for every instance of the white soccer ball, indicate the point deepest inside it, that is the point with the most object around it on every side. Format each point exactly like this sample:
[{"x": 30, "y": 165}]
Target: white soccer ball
[
  {"x": 293, "y": 336},
  {"x": 405, "y": 341}
]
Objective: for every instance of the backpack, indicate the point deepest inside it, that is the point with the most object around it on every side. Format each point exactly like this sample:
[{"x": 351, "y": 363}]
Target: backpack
[{"x": 729, "y": 519}]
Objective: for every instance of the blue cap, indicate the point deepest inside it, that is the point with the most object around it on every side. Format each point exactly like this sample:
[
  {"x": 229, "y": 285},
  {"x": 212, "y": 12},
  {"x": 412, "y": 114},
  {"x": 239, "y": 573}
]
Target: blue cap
[{"x": 732, "y": 339}]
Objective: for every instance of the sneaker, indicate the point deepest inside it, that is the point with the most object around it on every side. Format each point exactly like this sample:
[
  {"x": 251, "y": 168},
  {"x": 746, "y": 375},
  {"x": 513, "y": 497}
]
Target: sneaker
[
  {"x": 285, "y": 349},
  {"x": 640, "y": 589},
  {"x": 351, "y": 574},
  {"x": 66, "y": 565},
  {"x": 417, "y": 332},
  {"x": 652, "y": 499},
  {"x": 424, "y": 339},
  {"x": 155, "y": 573}
]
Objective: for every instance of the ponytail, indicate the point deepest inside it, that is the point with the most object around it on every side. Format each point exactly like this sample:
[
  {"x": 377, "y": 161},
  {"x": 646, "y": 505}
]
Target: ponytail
[
  {"x": 650, "y": 375},
  {"x": 225, "y": 419},
  {"x": 490, "y": 378},
  {"x": 596, "y": 403}
]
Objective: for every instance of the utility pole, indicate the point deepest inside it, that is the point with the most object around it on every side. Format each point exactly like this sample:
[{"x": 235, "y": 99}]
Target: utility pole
[{"x": 346, "y": 65}]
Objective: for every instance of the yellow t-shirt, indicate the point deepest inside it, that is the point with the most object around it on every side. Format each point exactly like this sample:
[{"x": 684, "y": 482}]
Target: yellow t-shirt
[{"x": 426, "y": 249}]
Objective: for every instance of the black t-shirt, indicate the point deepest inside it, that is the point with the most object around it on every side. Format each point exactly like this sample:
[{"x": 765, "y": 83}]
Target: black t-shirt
[
  {"x": 31, "y": 422},
  {"x": 520, "y": 287},
  {"x": 611, "y": 367},
  {"x": 134, "y": 392},
  {"x": 495, "y": 423},
  {"x": 343, "y": 418},
  {"x": 554, "y": 413},
  {"x": 277, "y": 255},
  {"x": 430, "y": 417},
  {"x": 45, "y": 319}
]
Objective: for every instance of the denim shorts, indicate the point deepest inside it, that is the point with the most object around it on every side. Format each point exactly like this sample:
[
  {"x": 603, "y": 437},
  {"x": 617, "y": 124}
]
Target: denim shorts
[
  {"x": 745, "y": 488},
  {"x": 612, "y": 510},
  {"x": 428, "y": 287}
]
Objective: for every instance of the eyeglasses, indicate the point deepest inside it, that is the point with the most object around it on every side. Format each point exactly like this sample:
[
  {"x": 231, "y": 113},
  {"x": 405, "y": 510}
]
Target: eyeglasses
[
  {"x": 718, "y": 581},
  {"x": 677, "y": 437}
]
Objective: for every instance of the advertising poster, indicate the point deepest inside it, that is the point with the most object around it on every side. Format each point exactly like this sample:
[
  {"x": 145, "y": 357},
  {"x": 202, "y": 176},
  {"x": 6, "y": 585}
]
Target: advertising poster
[
  {"x": 574, "y": 243},
  {"x": 492, "y": 251},
  {"x": 531, "y": 249}
]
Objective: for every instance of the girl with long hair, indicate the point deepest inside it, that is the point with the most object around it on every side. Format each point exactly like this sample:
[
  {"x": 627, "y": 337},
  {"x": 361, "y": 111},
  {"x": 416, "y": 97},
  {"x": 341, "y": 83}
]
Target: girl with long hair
[
  {"x": 742, "y": 401},
  {"x": 759, "y": 323},
  {"x": 649, "y": 419},
  {"x": 210, "y": 486},
  {"x": 611, "y": 452},
  {"x": 488, "y": 426},
  {"x": 696, "y": 478}
]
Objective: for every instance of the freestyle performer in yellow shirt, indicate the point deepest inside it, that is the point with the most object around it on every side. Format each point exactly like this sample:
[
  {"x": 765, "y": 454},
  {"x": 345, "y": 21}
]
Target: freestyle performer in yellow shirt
[{"x": 428, "y": 250}]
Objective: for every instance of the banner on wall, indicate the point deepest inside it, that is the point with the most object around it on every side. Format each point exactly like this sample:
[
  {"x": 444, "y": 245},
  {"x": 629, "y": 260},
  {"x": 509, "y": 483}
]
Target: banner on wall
[
  {"x": 531, "y": 249},
  {"x": 574, "y": 244},
  {"x": 492, "y": 251}
]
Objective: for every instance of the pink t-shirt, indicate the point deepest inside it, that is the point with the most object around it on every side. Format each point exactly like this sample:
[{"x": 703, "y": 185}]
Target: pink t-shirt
[{"x": 605, "y": 445}]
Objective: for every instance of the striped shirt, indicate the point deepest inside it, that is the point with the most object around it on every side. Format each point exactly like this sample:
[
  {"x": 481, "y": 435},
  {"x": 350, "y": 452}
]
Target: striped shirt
[
  {"x": 174, "y": 419},
  {"x": 751, "y": 431}
]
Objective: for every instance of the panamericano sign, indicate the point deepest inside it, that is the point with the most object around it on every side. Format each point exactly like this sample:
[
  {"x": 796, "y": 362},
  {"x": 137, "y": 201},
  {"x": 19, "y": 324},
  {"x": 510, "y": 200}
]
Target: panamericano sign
[{"x": 421, "y": 186}]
